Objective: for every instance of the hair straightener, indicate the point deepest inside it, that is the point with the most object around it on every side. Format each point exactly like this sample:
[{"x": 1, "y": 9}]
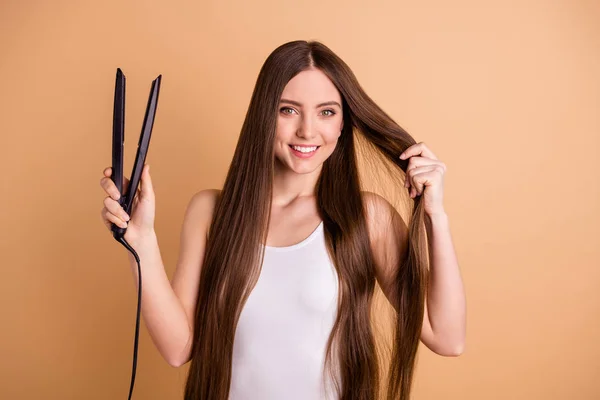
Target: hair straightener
[{"x": 126, "y": 199}]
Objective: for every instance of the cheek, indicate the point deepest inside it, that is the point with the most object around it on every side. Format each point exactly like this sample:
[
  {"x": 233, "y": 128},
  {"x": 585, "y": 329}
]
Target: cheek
[
  {"x": 285, "y": 129},
  {"x": 332, "y": 127},
  {"x": 330, "y": 134}
]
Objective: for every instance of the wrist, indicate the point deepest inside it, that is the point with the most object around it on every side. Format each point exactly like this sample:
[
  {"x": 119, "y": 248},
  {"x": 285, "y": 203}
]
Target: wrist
[
  {"x": 143, "y": 240},
  {"x": 436, "y": 216}
]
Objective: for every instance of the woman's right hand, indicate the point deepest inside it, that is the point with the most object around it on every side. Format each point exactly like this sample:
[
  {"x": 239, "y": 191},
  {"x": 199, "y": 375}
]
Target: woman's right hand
[{"x": 141, "y": 221}]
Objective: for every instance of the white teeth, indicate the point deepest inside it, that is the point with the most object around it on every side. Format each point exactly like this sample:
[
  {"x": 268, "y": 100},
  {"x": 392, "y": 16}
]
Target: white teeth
[{"x": 304, "y": 149}]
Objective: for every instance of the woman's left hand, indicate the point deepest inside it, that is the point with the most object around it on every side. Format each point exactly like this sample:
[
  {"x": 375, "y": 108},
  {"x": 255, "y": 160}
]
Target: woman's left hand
[{"x": 425, "y": 175}]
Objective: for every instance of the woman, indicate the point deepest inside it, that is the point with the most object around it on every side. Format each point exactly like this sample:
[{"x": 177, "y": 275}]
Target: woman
[{"x": 286, "y": 257}]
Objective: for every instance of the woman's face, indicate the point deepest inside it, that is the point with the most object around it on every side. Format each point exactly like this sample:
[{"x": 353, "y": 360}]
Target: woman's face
[{"x": 309, "y": 122}]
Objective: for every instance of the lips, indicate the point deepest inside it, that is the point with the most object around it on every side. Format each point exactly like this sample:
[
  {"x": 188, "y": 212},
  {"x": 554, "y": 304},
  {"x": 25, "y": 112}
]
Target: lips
[
  {"x": 300, "y": 154},
  {"x": 304, "y": 146}
]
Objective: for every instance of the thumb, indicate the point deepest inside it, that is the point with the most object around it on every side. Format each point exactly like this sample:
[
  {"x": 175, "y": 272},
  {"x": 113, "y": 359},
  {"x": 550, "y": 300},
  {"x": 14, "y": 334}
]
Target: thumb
[{"x": 146, "y": 182}]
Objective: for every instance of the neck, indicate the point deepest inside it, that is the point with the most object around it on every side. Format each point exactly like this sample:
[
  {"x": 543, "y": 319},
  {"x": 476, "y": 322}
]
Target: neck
[{"x": 289, "y": 185}]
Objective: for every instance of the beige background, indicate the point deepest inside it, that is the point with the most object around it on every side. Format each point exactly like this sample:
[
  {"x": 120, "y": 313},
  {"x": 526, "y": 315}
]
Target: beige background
[{"x": 506, "y": 93}]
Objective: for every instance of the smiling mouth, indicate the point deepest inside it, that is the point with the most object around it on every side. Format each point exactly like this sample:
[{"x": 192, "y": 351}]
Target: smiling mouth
[
  {"x": 303, "y": 148},
  {"x": 304, "y": 151}
]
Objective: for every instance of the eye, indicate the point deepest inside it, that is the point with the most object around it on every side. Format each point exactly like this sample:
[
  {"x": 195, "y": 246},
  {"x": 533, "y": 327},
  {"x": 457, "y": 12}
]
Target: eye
[
  {"x": 285, "y": 109},
  {"x": 331, "y": 111}
]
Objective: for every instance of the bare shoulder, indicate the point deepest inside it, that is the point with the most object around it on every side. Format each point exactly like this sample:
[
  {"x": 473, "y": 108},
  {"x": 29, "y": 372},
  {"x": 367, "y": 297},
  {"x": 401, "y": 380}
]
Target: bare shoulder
[
  {"x": 202, "y": 204},
  {"x": 198, "y": 215},
  {"x": 388, "y": 235},
  {"x": 381, "y": 216}
]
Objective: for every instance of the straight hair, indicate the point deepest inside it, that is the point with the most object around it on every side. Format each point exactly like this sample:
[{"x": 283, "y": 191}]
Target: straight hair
[{"x": 232, "y": 260}]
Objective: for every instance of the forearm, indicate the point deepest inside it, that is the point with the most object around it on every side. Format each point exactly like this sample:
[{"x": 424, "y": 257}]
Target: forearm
[
  {"x": 446, "y": 298},
  {"x": 161, "y": 309}
]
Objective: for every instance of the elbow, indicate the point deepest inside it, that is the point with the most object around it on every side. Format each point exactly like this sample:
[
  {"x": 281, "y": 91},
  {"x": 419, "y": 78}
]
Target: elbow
[
  {"x": 174, "y": 364},
  {"x": 453, "y": 351},
  {"x": 178, "y": 361},
  {"x": 449, "y": 349},
  {"x": 451, "y": 345},
  {"x": 183, "y": 357},
  {"x": 457, "y": 351}
]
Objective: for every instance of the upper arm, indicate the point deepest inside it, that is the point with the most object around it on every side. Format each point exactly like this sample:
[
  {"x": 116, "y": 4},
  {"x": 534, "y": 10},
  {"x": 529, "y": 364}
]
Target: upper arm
[
  {"x": 196, "y": 221},
  {"x": 388, "y": 235}
]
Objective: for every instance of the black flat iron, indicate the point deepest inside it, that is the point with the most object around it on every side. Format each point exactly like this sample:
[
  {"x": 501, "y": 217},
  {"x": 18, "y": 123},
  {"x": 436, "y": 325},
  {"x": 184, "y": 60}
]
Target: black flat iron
[{"x": 126, "y": 199}]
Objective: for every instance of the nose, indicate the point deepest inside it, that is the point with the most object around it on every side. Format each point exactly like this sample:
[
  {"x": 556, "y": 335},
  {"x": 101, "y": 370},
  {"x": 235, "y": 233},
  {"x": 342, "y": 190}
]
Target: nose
[{"x": 306, "y": 129}]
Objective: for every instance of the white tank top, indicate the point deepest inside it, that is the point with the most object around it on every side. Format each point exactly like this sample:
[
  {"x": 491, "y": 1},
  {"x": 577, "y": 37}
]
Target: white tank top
[{"x": 281, "y": 337}]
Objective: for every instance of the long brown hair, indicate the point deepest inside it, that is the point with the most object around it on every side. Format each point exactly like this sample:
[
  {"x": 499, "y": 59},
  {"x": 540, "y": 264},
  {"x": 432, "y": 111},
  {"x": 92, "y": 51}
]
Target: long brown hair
[{"x": 232, "y": 261}]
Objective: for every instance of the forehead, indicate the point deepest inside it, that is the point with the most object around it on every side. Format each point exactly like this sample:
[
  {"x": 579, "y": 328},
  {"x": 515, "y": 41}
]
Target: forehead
[{"x": 311, "y": 87}]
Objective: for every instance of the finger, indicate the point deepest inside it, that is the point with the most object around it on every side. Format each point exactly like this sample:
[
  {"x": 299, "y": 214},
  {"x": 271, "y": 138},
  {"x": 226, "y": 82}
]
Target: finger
[
  {"x": 410, "y": 173},
  {"x": 411, "y": 165},
  {"x": 111, "y": 189},
  {"x": 146, "y": 188},
  {"x": 429, "y": 179},
  {"x": 115, "y": 208},
  {"x": 107, "y": 222},
  {"x": 419, "y": 176},
  {"x": 108, "y": 173},
  {"x": 416, "y": 150},
  {"x": 420, "y": 161},
  {"x": 109, "y": 218}
]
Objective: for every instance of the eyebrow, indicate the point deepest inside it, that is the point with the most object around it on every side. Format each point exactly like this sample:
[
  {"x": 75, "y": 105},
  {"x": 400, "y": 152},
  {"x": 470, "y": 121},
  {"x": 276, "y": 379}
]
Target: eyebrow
[{"x": 327, "y": 103}]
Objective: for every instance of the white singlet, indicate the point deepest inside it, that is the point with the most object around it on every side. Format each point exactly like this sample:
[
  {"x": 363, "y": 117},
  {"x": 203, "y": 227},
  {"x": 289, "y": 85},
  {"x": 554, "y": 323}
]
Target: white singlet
[{"x": 281, "y": 337}]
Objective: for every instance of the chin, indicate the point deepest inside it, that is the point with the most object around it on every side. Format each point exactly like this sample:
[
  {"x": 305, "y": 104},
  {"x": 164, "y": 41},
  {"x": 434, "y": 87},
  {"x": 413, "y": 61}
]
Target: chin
[
  {"x": 306, "y": 170},
  {"x": 299, "y": 168},
  {"x": 303, "y": 168}
]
